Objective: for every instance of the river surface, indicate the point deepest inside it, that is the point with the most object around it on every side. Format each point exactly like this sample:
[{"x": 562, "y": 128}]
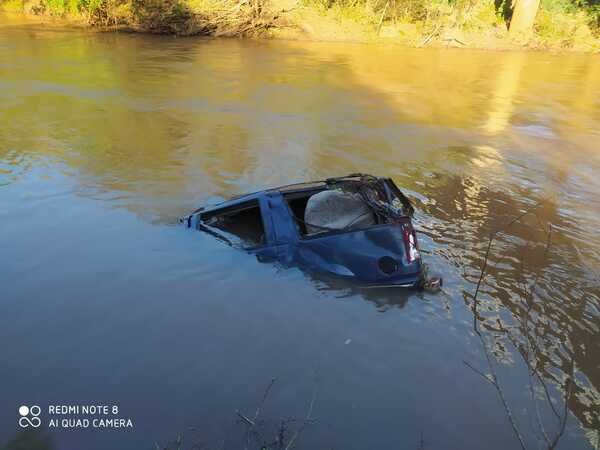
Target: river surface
[{"x": 107, "y": 139}]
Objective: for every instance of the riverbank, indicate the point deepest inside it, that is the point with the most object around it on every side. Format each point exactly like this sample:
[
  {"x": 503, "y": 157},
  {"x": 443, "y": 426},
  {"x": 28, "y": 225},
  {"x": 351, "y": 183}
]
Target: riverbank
[
  {"x": 474, "y": 24},
  {"x": 479, "y": 28}
]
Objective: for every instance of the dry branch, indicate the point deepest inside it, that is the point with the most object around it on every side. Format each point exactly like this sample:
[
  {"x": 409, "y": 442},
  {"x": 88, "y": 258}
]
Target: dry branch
[
  {"x": 528, "y": 299},
  {"x": 306, "y": 421}
]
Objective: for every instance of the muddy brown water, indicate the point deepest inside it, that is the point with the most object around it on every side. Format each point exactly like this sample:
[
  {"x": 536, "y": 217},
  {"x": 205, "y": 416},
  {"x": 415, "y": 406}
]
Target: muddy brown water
[{"x": 106, "y": 139}]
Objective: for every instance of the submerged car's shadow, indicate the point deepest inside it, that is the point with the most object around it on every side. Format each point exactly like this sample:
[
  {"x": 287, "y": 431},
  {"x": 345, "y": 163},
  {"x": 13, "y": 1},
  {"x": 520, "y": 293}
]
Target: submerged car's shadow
[{"x": 383, "y": 298}]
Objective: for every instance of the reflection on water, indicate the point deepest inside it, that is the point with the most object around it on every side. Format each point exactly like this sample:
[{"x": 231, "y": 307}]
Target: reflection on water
[
  {"x": 503, "y": 93},
  {"x": 107, "y": 139}
]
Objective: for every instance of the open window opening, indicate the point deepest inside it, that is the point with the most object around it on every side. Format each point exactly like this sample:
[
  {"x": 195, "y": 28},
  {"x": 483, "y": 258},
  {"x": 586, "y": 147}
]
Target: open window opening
[
  {"x": 297, "y": 203},
  {"x": 241, "y": 225},
  {"x": 326, "y": 210}
]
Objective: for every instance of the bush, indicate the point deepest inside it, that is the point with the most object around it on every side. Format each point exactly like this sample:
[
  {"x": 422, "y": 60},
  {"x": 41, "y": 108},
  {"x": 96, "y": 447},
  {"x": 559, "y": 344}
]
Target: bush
[
  {"x": 592, "y": 9},
  {"x": 163, "y": 16},
  {"x": 566, "y": 28},
  {"x": 584, "y": 11}
]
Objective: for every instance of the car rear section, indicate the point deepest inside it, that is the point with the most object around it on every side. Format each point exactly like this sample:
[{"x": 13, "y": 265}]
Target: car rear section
[{"x": 381, "y": 255}]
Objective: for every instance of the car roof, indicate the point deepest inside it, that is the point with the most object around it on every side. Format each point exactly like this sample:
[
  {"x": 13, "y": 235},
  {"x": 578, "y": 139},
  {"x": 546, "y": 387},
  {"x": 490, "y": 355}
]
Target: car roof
[{"x": 286, "y": 189}]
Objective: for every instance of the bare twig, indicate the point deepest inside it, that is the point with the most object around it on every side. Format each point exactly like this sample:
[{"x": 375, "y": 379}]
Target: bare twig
[
  {"x": 478, "y": 372},
  {"x": 498, "y": 387},
  {"x": 430, "y": 36},
  {"x": 245, "y": 418},
  {"x": 265, "y": 395},
  {"x": 528, "y": 291},
  {"x": 253, "y": 422},
  {"x": 421, "y": 442},
  {"x": 487, "y": 256},
  {"x": 448, "y": 40},
  {"x": 568, "y": 390},
  {"x": 494, "y": 378},
  {"x": 382, "y": 17},
  {"x": 308, "y": 419},
  {"x": 481, "y": 275}
]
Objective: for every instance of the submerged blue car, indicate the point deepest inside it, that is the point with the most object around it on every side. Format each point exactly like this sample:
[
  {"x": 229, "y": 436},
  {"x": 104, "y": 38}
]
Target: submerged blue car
[{"x": 357, "y": 227}]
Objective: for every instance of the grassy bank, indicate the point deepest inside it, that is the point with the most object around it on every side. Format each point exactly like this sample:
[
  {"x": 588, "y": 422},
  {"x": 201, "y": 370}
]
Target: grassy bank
[{"x": 559, "y": 24}]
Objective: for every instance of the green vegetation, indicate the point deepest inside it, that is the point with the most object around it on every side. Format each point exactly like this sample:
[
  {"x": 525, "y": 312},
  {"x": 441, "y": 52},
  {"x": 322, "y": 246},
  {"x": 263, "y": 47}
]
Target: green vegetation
[
  {"x": 570, "y": 23},
  {"x": 551, "y": 23},
  {"x": 555, "y": 24}
]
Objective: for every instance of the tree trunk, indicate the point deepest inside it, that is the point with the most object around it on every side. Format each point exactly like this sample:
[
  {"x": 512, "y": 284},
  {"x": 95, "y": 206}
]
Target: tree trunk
[{"x": 523, "y": 16}]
